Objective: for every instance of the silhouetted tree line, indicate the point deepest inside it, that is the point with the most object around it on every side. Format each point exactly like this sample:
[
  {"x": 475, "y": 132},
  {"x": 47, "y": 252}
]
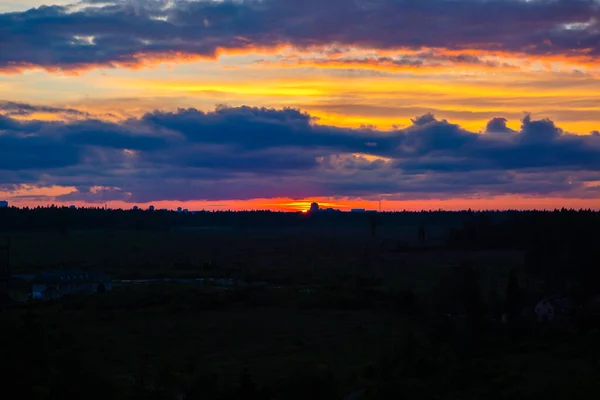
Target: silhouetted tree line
[
  {"x": 64, "y": 219},
  {"x": 560, "y": 246},
  {"x": 467, "y": 225},
  {"x": 524, "y": 230}
]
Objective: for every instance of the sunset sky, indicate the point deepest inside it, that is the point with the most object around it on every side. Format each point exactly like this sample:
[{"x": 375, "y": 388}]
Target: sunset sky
[{"x": 255, "y": 104}]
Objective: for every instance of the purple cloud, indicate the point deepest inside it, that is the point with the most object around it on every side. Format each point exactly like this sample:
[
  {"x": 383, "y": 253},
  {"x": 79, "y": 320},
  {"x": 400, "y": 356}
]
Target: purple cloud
[
  {"x": 11, "y": 108},
  {"x": 248, "y": 152},
  {"x": 125, "y": 32}
]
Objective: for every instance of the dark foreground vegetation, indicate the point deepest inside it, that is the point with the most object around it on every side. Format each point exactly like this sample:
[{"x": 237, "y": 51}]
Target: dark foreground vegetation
[{"x": 408, "y": 305}]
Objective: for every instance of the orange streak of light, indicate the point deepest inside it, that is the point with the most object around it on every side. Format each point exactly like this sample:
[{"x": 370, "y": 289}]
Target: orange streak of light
[
  {"x": 581, "y": 57},
  {"x": 345, "y": 204},
  {"x": 388, "y": 66}
]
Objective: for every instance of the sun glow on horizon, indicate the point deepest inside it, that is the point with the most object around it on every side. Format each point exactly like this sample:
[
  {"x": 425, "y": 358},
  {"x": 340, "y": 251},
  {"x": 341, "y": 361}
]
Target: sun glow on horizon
[
  {"x": 504, "y": 202},
  {"x": 87, "y": 105}
]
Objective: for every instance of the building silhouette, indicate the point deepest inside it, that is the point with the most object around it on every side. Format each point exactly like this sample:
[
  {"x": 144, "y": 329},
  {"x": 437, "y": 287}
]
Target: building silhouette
[{"x": 314, "y": 208}]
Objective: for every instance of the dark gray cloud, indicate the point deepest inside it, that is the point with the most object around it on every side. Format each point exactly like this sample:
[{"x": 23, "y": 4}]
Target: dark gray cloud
[
  {"x": 11, "y": 108},
  {"x": 542, "y": 131},
  {"x": 248, "y": 152},
  {"x": 21, "y": 151},
  {"x": 123, "y": 32},
  {"x": 254, "y": 128},
  {"x": 498, "y": 125}
]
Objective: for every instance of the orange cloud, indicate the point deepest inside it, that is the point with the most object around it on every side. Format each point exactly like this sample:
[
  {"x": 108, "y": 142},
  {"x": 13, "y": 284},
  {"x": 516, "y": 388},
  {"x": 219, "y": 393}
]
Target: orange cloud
[
  {"x": 21, "y": 194},
  {"x": 367, "y": 58},
  {"x": 142, "y": 60}
]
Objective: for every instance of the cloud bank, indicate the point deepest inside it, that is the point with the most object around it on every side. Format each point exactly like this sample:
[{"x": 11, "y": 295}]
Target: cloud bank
[
  {"x": 248, "y": 152},
  {"x": 130, "y": 33}
]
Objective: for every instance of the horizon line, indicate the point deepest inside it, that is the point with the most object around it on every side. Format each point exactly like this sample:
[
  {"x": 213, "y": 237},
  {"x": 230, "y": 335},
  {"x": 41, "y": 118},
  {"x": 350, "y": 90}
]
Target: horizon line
[{"x": 321, "y": 211}]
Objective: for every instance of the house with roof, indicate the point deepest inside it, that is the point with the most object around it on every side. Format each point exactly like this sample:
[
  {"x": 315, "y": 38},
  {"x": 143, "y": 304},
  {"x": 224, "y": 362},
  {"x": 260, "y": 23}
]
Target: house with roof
[
  {"x": 554, "y": 309},
  {"x": 51, "y": 285}
]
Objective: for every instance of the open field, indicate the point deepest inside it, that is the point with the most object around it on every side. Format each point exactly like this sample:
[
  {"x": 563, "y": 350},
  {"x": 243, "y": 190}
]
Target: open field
[
  {"x": 341, "y": 313},
  {"x": 138, "y": 331},
  {"x": 139, "y": 339},
  {"x": 273, "y": 257}
]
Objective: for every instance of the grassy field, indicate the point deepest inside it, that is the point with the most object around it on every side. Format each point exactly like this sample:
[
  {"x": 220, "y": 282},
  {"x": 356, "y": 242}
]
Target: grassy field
[
  {"x": 149, "y": 331},
  {"x": 357, "y": 330},
  {"x": 142, "y": 338},
  {"x": 274, "y": 257}
]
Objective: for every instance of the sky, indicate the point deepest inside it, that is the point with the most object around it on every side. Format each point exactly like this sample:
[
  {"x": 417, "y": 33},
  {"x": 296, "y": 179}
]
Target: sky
[{"x": 273, "y": 104}]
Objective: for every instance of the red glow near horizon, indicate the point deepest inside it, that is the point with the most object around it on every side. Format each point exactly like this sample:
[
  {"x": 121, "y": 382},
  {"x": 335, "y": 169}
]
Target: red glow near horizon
[{"x": 345, "y": 204}]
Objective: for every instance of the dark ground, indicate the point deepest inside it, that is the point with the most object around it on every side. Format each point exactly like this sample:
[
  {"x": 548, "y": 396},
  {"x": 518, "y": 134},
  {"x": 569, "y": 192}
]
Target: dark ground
[{"x": 374, "y": 321}]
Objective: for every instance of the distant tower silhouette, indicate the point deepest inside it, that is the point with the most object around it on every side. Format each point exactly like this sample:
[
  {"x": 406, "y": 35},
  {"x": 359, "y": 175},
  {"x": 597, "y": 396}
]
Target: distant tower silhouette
[{"x": 314, "y": 208}]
